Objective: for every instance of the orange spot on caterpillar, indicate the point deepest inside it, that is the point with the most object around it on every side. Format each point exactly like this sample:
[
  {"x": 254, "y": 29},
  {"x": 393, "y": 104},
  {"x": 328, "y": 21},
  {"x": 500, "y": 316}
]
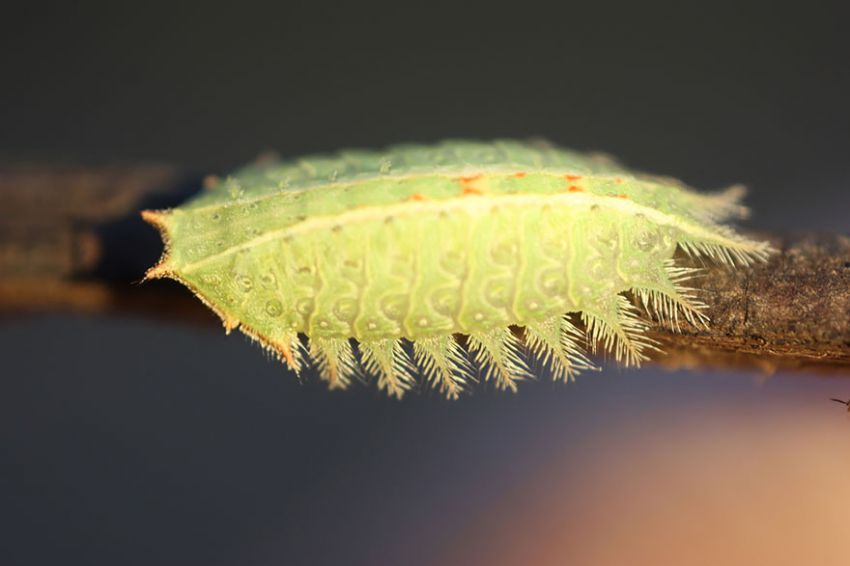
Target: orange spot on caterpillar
[
  {"x": 571, "y": 187},
  {"x": 520, "y": 174},
  {"x": 618, "y": 180},
  {"x": 418, "y": 197},
  {"x": 621, "y": 195},
  {"x": 466, "y": 185}
]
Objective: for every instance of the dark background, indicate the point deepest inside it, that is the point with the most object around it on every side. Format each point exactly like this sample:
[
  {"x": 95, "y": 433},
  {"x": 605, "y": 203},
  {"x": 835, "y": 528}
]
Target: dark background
[
  {"x": 130, "y": 442},
  {"x": 749, "y": 93}
]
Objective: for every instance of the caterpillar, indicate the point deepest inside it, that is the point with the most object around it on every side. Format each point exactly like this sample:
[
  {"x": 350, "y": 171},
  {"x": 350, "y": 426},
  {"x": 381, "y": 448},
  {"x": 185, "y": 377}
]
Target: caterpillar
[{"x": 518, "y": 250}]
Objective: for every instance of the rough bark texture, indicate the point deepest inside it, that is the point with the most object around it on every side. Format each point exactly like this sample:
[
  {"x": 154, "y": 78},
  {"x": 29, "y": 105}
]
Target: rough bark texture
[
  {"x": 71, "y": 239},
  {"x": 793, "y": 311}
]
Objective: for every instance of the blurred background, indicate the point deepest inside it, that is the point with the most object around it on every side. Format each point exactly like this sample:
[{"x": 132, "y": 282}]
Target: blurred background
[{"x": 133, "y": 441}]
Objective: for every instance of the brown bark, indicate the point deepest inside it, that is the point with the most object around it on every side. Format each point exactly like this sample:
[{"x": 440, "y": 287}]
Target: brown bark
[
  {"x": 71, "y": 239},
  {"x": 793, "y": 311}
]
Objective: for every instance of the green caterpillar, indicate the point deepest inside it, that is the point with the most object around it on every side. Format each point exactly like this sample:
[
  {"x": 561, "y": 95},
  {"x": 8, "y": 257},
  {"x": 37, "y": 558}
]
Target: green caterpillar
[{"x": 427, "y": 242}]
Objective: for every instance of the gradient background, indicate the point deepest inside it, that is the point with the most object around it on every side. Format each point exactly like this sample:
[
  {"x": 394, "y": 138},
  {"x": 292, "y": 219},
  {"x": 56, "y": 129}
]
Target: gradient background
[{"x": 135, "y": 442}]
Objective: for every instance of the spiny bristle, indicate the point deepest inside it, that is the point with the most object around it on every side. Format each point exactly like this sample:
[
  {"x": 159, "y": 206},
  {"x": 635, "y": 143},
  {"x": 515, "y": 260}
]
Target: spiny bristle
[
  {"x": 667, "y": 299},
  {"x": 667, "y": 308},
  {"x": 552, "y": 342},
  {"x": 388, "y": 360},
  {"x": 335, "y": 360},
  {"x": 744, "y": 254},
  {"x": 291, "y": 350},
  {"x": 680, "y": 275},
  {"x": 571, "y": 336},
  {"x": 622, "y": 333},
  {"x": 498, "y": 353},
  {"x": 723, "y": 205},
  {"x": 443, "y": 363}
]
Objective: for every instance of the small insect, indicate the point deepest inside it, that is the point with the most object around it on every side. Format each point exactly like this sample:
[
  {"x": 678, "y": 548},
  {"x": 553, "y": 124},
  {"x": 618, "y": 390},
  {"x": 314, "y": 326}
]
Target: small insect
[
  {"x": 353, "y": 261},
  {"x": 843, "y": 403}
]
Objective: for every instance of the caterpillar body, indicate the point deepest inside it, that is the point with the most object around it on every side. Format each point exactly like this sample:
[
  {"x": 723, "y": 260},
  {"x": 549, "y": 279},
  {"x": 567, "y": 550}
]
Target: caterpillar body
[{"x": 362, "y": 251}]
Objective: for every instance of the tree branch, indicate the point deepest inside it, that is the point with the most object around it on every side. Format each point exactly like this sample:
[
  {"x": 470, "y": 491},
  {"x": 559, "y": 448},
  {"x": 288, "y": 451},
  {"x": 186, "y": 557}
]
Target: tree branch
[{"x": 793, "y": 311}]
